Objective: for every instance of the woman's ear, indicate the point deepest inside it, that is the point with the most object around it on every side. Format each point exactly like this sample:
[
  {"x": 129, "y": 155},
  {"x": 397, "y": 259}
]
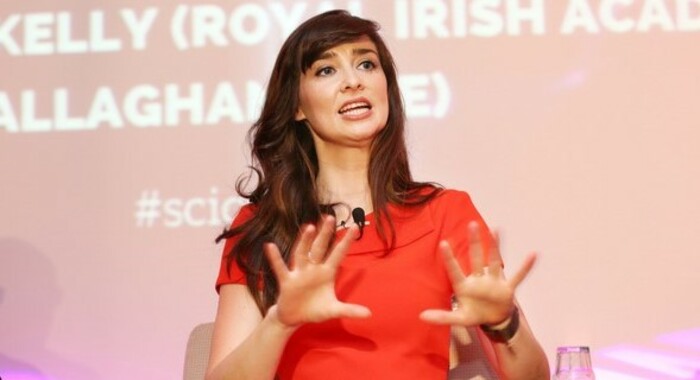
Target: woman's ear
[{"x": 299, "y": 116}]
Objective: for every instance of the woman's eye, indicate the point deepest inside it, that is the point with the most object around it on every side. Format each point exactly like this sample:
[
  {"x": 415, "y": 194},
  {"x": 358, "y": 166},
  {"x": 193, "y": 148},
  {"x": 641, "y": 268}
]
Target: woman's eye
[
  {"x": 324, "y": 71},
  {"x": 367, "y": 65}
]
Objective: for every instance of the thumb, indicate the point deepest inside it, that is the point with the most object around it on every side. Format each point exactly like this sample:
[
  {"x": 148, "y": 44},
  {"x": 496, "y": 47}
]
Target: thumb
[
  {"x": 440, "y": 317},
  {"x": 349, "y": 310}
]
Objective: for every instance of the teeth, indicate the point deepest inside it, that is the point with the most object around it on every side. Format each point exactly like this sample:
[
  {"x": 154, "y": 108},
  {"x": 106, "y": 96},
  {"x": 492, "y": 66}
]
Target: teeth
[
  {"x": 354, "y": 108},
  {"x": 355, "y": 111}
]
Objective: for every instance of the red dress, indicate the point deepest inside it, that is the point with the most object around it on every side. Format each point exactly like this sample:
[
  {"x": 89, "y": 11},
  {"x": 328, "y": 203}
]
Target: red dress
[{"x": 393, "y": 343}]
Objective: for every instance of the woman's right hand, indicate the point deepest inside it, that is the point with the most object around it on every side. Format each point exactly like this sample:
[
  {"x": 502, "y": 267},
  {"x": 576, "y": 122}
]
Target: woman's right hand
[{"x": 307, "y": 286}]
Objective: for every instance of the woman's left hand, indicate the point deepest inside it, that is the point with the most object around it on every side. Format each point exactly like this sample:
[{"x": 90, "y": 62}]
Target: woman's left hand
[{"x": 483, "y": 296}]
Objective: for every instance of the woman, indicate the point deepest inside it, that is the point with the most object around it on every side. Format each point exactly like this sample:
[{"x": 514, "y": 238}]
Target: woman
[{"x": 305, "y": 292}]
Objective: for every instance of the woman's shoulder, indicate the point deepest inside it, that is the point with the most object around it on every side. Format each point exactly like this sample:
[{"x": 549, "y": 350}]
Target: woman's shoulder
[
  {"x": 449, "y": 201},
  {"x": 248, "y": 209},
  {"x": 451, "y": 197},
  {"x": 244, "y": 214},
  {"x": 439, "y": 198}
]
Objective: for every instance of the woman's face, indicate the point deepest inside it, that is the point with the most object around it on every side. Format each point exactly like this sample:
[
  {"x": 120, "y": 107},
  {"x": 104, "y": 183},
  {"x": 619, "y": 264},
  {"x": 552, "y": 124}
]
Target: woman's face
[{"x": 343, "y": 96}]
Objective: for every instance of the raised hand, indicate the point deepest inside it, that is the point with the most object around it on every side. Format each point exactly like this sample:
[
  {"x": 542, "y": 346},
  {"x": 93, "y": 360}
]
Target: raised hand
[
  {"x": 307, "y": 287},
  {"x": 483, "y": 296}
]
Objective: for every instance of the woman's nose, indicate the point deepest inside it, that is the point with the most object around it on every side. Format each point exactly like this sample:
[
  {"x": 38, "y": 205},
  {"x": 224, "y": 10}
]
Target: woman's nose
[{"x": 352, "y": 81}]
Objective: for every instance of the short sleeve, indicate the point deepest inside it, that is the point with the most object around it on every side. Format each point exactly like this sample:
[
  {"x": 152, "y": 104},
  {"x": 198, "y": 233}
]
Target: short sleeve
[
  {"x": 457, "y": 212},
  {"x": 234, "y": 274}
]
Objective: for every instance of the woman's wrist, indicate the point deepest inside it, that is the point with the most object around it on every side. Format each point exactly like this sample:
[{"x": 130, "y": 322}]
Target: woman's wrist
[
  {"x": 503, "y": 331},
  {"x": 273, "y": 318}
]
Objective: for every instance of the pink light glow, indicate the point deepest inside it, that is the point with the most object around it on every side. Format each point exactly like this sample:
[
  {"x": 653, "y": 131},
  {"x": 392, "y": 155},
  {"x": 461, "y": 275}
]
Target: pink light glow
[
  {"x": 21, "y": 375},
  {"x": 677, "y": 358}
]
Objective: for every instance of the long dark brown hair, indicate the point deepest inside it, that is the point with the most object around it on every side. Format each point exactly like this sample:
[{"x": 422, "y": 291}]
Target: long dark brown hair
[{"x": 285, "y": 162}]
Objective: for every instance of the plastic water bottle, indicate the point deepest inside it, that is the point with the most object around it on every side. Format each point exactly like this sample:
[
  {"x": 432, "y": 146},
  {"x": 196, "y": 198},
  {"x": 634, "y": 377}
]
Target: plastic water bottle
[{"x": 574, "y": 363}]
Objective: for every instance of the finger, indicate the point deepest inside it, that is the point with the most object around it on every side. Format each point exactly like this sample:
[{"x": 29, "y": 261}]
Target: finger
[
  {"x": 350, "y": 310},
  {"x": 441, "y": 317},
  {"x": 274, "y": 257},
  {"x": 338, "y": 251},
  {"x": 523, "y": 271},
  {"x": 454, "y": 271},
  {"x": 476, "y": 248},
  {"x": 495, "y": 260},
  {"x": 302, "y": 246},
  {"x": 319, "y": 247}
]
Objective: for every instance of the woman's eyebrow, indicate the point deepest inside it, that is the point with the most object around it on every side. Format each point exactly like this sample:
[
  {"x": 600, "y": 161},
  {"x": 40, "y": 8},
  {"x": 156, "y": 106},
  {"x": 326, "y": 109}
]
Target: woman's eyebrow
[
  {"x": 362, "y": 51},
  {"x": 355, "y": 52},
  {"x": 326, "y": 55}
]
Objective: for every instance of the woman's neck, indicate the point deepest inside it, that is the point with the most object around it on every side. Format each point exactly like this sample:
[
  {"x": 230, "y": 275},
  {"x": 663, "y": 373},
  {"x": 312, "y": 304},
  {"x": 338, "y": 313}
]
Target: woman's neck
[{"x": 343, "y": 179}]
